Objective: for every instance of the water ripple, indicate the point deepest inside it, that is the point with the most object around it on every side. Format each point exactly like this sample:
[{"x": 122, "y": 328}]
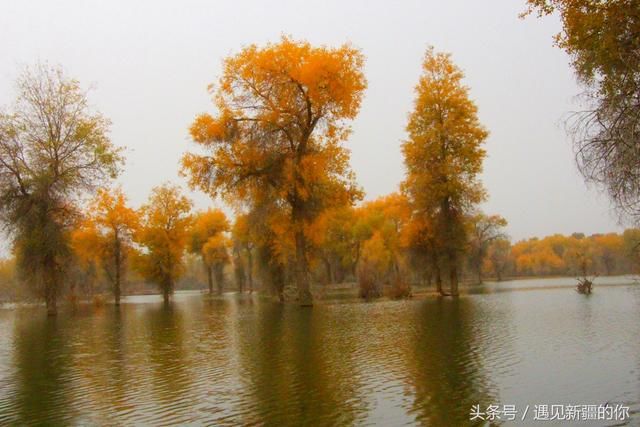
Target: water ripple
[{"x": 245, "y": 360}]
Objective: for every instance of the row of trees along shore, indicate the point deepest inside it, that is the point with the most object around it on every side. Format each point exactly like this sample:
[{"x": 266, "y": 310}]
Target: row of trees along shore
[{"x": 274, "y": 151}]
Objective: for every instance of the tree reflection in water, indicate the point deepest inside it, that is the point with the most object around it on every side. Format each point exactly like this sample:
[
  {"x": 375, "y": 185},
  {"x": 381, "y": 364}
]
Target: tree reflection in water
[
  {"x": 42, "y": 359},
  {"x": 444, "y": 366}
]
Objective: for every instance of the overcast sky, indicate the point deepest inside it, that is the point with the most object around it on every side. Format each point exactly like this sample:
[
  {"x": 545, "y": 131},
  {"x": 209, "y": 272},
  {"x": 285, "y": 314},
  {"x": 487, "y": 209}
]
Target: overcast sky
[{"x": 150, "y": 62}]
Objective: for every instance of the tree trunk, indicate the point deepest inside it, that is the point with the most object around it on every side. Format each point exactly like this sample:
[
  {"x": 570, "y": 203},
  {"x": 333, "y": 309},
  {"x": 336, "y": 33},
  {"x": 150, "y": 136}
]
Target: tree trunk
[
  {"x": 209, "y": 270},
  {"x": 338, "y": 275},
  {"x": 438, "y": 280},
  {"x": 328, "y": 271},
  {"x": 50, "y": 286},
  {"x": 116, "y": 287},
  {"x": 354, "y": 265},
  {"x": 166, "y": 291},
  {"x": 219, "y": 271},
  {"x": 453, "y": 276},
  {"x": 50, "y": 300},
  {"x": 305, "y": 299},
  {"x": 301, "y": 270},
  {"x": 480, "y": 275},
  {"x": 449, "y": 221},
  {"x": 250, "y": 270},
  {"x": 239, "y": 270}
]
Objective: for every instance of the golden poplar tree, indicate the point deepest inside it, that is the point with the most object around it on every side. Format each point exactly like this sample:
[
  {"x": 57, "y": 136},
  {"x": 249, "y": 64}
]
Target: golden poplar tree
[
  {"x": 244, "y": 236},
  {"x": 283, "y": 112},
  {"x": 114, "y": 224},
  {"x": 205, "y": 241},
  {"x": 165, "y": 225},
  {"x": 443, "y": 156}
]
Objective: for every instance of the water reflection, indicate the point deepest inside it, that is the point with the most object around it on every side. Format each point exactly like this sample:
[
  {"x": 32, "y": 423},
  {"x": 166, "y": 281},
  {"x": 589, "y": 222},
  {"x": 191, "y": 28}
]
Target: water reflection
[
  {"x": 168, "y": 362},
  {"x": 42, "y": 369},
  {"x": 444, "y": 366},
  {"x": 246, "y": 360},
  {"x": 297, "y": 367}
]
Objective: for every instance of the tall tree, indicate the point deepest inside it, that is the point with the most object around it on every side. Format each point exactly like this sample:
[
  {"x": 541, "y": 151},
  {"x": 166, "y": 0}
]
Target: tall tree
[
  {"x": 165, "y": 225},
  {"x": 603, "y": 40},
  {"x": 244, "y": 238},
  {"x": 53, "y": 148},
  {"x": 208, "y": 225},
  {"x": 115, "y": 224},
  {"x": 443, "y": 156},
  {"x": 87, "y": 257},
  {"x": 283, "y": 113},
  {"x": 216, "y": 254}
]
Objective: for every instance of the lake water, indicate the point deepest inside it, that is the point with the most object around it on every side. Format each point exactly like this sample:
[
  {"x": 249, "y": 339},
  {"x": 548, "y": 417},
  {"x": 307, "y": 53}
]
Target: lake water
[{"x": 247, "y": 360}]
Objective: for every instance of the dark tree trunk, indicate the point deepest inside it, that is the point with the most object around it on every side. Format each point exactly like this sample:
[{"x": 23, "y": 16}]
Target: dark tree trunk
[
  {"x": 305, "y": 298},
  {"x": 328, "y": 271},
  {"x": 241, "y": 279},
  {"x": 50, "y": 300},
  {"x": 438, "y": 279},
  {"x": 167, "y": 288},
  {"x": 219, "y": 272},
  {"x": 453, "y": 276},
  {"x": 301, "y": 270},
  {"x": 250, "y": 270},
  {"x": 338, "y": 275},
  {"x": 50, "y": 286},
  {"x": 354, "y": 265},
  {"x": 449, "y": 221},
  {"x": 116, "y": 285},
  {"x": 209, "y": 270},
  {"x": 166, "y": 291}
]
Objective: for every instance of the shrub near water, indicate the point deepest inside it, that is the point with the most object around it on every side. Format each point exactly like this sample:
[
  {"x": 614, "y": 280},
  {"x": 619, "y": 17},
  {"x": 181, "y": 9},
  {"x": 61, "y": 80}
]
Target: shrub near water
[
  {"x": 368, "y": 284},
  {"x": 398, "y": 289}
]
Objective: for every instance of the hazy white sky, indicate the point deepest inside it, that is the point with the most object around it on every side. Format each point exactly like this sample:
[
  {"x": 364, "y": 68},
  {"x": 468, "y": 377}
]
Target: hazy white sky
[{"x": 150, "y": 63}]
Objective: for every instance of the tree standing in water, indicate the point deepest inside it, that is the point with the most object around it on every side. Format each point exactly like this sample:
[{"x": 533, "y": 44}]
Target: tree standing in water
[
  {"x": 114, "y": 224},
  {"x": 53, "y": 149},
  {"x": 216, "y": 255},
  {"x": 208, "y": 225},
  {"x": 282, "y": 119},
  {"x": 443, "y": 156},
  {"x": 164, "y": 233},
  {"x": 244, "y": 236}
]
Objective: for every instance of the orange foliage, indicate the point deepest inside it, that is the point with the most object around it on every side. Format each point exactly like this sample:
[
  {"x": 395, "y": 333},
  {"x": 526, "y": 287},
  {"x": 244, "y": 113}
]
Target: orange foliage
[
  {"x": 207, "y": 241},
  {"x": 164, "y": 235},
  {"x": 443, "y": 156},
  {"x": 282, "y": 117},
  {"x": 105, "y": 236}
]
